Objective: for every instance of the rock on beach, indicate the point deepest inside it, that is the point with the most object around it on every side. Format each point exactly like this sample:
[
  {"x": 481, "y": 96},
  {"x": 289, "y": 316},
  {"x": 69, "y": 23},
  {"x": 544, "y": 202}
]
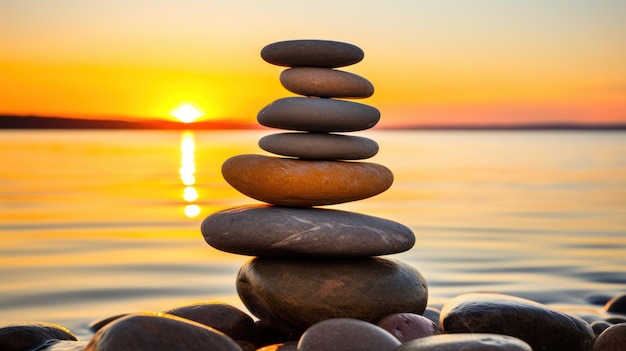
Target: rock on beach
[
  {"x": 346, "y": 334},
  {"x": 325, "y": 146},
  {"x": 20, "y": 337},
  {"x": 312, "y": 53},
  {"x": 466, "y": 342},
  {"x": 325, "y": 82}
]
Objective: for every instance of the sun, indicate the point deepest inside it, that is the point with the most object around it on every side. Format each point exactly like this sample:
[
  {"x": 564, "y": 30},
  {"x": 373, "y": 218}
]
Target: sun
[{"x": 187, "y": 113}]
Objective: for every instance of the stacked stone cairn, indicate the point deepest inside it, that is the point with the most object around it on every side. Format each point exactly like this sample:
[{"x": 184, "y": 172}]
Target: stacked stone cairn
[{"x": 313, "y": 264}]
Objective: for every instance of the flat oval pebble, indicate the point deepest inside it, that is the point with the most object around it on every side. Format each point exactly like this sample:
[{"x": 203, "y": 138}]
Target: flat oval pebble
[
  {"x": 158, "y": 331},
  {"x": 297, "y": 293},
  {"x": 303, "y": 183},
  {"x": 466, "y": 342},
  {"x": 312, "y": 53},
  {"x": 325, "y": 82},
  {"x": 538, "y": 325},
  {"x": 346, "y": 334},
  {"x": 272, "y": 231},
  {"x": 319, "y": 146},
  {"x": 318, "y": 115},
  {"x": 409, "y": 326},
  {"x": 612, "y": 338},
  {"x": 20, "y": 337}
]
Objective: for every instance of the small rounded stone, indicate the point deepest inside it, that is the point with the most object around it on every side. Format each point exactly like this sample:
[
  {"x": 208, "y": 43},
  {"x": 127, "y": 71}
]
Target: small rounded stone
[
  {"x": 319, "y": 146},
  {"x": 409, "y": 326},
  {"x": 272, "y": 231},
  {"x": 325, "y": 82},
  {"x": 312, "y": 53},
  {"x": 616, "y": 305},
  {"x": 340, "y": 334},
  {"x": 612, "y": 338},
  {"x": 158, "y": 331},
  {"x": 297, "y": 293},
  {"x": 304, "y": 183},
  {"x": 466, "y": 342},
  {"x": 318, "y": 115},
  {"x": 19, "y": 337},
  {"x": 599, "y": 326}
]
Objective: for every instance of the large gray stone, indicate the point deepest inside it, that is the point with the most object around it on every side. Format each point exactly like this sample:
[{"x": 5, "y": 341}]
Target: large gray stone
[
  {"x": 538, "y": 325},
  {"x": 466, "y": 342},
  {"x": 325, "y": 82},
  {"x": 318, "y": 115},
  {"x": 271, "y": 231},
  {"x": 312, "y": 53},
  {"x": 319, "y": 146},
  {"x": 297, "y": 293},
  {"x": 345, "y": 334}
]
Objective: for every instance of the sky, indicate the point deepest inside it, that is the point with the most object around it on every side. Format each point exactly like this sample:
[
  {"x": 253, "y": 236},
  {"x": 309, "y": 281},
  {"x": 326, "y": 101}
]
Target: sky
[{"x": 430, "y": 61}]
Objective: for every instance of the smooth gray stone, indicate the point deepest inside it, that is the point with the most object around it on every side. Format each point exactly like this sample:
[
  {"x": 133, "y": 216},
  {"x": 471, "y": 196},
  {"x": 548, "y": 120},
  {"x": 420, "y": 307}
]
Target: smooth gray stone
[
  {"x": 612, "y": 338},
  {"x": 409, "y": 326},
  {"x": 346, "y": 334},
  {"x": 273, "y": 231},
  {"x": 318, "y": 115},
  {"x": 319, "y": 146},
  {"x": 312, "y": 53},
  {"x": 538, "y": 325},
  {"x": 325, "y": 82},
  {"x": 19, "y": 337},
  {"x": 296, "y": 293},
  {"x": 466, "y": 342}
]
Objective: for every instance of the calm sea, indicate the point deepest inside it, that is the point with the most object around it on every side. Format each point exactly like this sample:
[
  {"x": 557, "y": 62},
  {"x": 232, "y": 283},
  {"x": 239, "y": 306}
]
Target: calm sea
[{"x": 96, "y": 223}]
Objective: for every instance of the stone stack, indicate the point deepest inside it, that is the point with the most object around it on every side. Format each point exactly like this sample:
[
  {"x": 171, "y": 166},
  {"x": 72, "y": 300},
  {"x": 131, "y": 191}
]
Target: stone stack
[{"x": 314, "y": 264}]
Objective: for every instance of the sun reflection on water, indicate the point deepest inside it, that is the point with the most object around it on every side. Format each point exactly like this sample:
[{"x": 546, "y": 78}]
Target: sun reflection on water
[{"x": 187, "y": 173}]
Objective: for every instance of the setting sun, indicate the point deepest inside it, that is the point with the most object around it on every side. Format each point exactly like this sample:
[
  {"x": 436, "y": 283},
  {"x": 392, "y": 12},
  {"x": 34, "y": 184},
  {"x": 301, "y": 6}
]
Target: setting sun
[{"x": 187, "y": 113}]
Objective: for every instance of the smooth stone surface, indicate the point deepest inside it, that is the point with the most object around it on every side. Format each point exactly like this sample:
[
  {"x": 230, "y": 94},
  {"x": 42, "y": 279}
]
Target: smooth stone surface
[
  {"x": 319, "y": 146},
  {"x": 616, "y": 305},
  {"x": 466, "y": 342},
  {"x": 599, "y": 326},
  {"x": 272, "y": 231},
  {"x": 341, "y": 334},
  {"x": 226, "y": 318},
  {"x": 538, "y": 325},
  {"x": 303, "y": 183},
  {"x": 312, "y": 53},
  {"x": 297, "y": 293},
  {"x": 612, "y": 338},
  {"x": 318, "y": 115},
  {"x": 20, "y": 337},
  {"x": 158, "y": 331},
  {"x": 64, "y": 345},
  {"x": 409, "y": 326},
  {"x": 325, "y": 82}
]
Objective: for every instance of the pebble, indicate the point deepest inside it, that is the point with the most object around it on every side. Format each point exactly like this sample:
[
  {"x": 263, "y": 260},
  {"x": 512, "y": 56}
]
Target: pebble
[
  {"x": 319, "y": 146},
  {"x": 538, "y": 325},
  {"x": 612, "y": 338},
  {"x": 616, "y": 305},
  {"x": 21, "y": 337},
  {"x": 303, "y": 183},
  {"x": 318, "y": 115},
  {"x": 158, "y": 331},
  {"x": 223, "y": 317},
  {"x": 599, "y": 326},
  {"x": 466, "y": 342},
  {"x": 297, "y": 293},
  {"x": 409, "y": 326},
  {"x": 64, "y": 345},
  {"x": 343, "y": 334},
  {"x": 272, "y": 231},
  {"x": 325, "y": 82},
  {"x": 312, "y": 52}
]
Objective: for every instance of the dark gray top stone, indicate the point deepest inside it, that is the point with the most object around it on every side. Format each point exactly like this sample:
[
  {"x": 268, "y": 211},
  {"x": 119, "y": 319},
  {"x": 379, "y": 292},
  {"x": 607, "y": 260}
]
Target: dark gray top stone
[
  {"x": 319, "y": 146},
  {"x": 325, "y": 82},
  {"x": 318, "y": 115},
  {"x": 274, "y": 231},
  {"x": 312, "y": 53}
]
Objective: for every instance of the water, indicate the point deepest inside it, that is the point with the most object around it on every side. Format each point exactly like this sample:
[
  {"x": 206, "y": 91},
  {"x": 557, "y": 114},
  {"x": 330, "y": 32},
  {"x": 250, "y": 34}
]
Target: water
[{"x": 96, "y": 223}]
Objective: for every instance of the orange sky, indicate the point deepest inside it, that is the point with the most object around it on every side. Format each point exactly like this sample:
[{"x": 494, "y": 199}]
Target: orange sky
[{"x": 432, "y": 62}]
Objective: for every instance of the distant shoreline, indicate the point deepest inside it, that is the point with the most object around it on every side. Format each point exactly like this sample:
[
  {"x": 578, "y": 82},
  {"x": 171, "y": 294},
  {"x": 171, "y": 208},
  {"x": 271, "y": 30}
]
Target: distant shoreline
[{"x": 37, "y": 122}]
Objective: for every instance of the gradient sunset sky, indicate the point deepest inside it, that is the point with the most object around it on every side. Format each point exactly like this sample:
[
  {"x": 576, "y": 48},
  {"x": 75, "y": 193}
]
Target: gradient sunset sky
[{"x": 431, "y": 61}]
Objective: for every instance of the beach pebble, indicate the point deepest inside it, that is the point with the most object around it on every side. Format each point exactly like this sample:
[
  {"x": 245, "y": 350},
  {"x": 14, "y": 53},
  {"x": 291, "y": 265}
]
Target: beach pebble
[
  {"x": 325, "y": 82},
  {"x": 312, "y": 52},
  {"x": 541, "y": 327},
  {"x": 64, "y": 345},
  {"x": 158, "y": 331},
  {"x": 226, "y": 318},
  {"x": 273, "y": 231},
  {"x": 297, "y": 293},
  {"x": 599, "y": 326},
  {"x": 409, "y": 326},
  {"x": 346, "y": 334},
  {"x": 318, "y": 115},
  {"x": 303, "y": 183},
  {"x": 319, "y": 146},
  {"x": 21, "y": 337},
  {"x": 466, "y": 342},
  {"x": 616, "y": 305},
  {"x": 612, "y": 338}
]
